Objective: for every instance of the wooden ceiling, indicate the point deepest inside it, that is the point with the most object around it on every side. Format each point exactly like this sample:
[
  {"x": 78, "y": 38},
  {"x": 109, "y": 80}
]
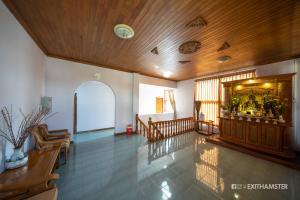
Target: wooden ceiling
[{"x": 257, "y": 31}]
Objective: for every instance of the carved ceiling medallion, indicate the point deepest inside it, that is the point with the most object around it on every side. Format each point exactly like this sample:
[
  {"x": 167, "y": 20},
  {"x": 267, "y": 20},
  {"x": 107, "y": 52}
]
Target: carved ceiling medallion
[
  {"x": 224, "y": 46},
  {"x": 184, "y": 61},
  {"x": 189, "y": 47},
  {"x": 154, "y": 51},
  {"x": 197, "y": 22}
]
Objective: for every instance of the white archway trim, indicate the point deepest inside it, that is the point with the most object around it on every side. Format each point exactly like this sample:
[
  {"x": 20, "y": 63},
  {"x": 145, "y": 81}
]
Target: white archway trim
[{"x": 96, "y": 106}]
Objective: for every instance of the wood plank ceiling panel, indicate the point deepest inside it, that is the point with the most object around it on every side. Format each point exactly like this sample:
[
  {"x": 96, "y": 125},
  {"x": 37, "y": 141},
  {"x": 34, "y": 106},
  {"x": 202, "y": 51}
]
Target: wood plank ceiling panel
[{"x": 258, "y": 32}]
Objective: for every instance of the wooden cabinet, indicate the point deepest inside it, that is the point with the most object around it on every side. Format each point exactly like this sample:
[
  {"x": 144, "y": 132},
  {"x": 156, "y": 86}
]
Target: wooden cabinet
[
  {"x": 268, "y": 138},
  {"x": 226, "y": 127},
  {"x": 253, "y": 133},
  {"x": 238, "y": 131}
]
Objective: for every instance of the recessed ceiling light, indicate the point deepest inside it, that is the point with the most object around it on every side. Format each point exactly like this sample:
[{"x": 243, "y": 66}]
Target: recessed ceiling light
[
  {"x": 123, "y": 31},
  {"x": 223, "y": 59},
  {"x": 167, "y": 74},
  {"x": 156, "y": 67}
]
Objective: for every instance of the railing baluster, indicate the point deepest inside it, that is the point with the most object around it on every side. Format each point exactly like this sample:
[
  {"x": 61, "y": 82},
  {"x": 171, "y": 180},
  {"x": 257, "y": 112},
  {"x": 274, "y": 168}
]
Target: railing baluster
[
  {"x": 164, "y": 129},
  {"x": 167, "y": 127},
  {"x": 169, "y": 132}
]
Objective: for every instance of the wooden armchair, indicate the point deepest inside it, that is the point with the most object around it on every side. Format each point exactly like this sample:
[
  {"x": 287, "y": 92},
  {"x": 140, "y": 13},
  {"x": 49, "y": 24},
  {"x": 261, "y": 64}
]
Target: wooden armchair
[
  {"x": 54, "y": 134},
  {"x": 42, "y": 144}
]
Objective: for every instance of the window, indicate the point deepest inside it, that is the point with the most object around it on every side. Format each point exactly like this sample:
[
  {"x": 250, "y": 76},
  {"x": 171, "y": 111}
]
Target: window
[
  {"x": 211, "y": 93},
  {"x": 207, "y": 91}
]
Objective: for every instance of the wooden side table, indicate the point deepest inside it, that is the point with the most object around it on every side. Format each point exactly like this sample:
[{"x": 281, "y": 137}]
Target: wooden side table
[{"x": 209, "y": 124}]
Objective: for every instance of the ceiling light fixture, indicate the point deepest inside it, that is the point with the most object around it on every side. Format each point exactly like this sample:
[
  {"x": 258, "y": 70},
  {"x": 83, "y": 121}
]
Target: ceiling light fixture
[
  {"x": 123, "y": 31},
  {"x": 167, "y": 74},
  {"x": 156, "y": 67},
  {"x": 223, "y": 59}
]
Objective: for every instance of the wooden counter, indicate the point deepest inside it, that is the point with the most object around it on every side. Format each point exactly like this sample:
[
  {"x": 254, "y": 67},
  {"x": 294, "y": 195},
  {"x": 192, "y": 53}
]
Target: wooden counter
[{"x": 264, "y": 137}]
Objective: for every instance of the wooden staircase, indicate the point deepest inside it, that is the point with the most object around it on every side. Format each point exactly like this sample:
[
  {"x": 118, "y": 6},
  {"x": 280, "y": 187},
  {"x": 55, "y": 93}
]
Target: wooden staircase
[{"x": 155, "y": 131}]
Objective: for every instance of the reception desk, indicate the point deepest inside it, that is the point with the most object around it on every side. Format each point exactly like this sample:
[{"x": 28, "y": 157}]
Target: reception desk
[{"x": 259, "y": 136}]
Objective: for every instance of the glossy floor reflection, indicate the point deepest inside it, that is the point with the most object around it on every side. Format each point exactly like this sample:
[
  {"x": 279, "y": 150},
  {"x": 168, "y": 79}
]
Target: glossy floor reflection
[
  {"x": 182, "y": 167},
  {"x": 93, "y": 135}
]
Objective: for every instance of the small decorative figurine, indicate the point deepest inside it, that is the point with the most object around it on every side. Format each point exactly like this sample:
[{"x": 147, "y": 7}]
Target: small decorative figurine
[
  {"x": 266, "y": 120},
  {"x": 202, "y": 116},
  {"x": 240, "y": 116},
  {"x": 274, "y": 121},
  {"x": 281, "y": 120},
  {"x": 270, "y": 114},
  {"x": 258, "y": 119},
  {"x": 248, "y": 118},
  {"x": 232, "y": 116},
  {"x": 233, "y": 112}
]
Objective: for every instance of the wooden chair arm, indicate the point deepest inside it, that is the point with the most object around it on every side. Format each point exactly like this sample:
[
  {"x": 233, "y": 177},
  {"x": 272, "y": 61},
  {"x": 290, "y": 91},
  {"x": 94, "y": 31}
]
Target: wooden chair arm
[
  {"x": 53, "y": 176},
  {"x": 57, "y": 136},
  {"x": 53, "y": 142},
  {"x": 60, "y": 130}
]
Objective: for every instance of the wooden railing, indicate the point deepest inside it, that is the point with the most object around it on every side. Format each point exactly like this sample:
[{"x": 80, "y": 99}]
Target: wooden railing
[
  {"x": 164, "y": 129},
  {"x": 140, "y": 127}
]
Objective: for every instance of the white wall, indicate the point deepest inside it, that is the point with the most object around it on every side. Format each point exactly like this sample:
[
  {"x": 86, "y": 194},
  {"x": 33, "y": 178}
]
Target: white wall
[
  {"x": 284, "y": 67},
  {"x": 156, "y": 117},
  {"x": 62, "y": 79},
  {"x": 95, "y": 106},
  {"x": 184, "y": 95},
  {"x": 147, "y": 98},
  {"x": 141, "y": 79},
  {"x": 21, "y": 71}
]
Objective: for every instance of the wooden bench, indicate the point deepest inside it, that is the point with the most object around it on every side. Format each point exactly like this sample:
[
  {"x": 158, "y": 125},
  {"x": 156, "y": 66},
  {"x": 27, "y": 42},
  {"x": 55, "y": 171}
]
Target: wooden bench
[
  {"x": 31, "y": 179},
  {"x": 48, "y": 195}
]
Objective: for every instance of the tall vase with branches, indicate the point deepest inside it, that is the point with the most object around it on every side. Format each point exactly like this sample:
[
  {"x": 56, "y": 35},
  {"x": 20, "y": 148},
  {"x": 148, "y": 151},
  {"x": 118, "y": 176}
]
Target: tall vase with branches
[
  {"x": 197, "y": 107},
  {"x": 27, "y": 123}
]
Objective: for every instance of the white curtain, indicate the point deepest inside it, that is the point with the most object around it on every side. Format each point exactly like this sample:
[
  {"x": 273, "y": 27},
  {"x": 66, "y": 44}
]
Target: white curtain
[
  {"x": 211, "y": 93},
  {"x": 172, "y": 102}
]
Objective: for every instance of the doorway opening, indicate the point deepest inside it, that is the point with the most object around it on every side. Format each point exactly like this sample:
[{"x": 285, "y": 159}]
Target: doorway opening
[{"x": 94, "y": 108}]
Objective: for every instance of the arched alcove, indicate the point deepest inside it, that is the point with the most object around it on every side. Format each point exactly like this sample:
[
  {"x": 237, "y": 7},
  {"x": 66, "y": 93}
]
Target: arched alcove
[{"x": 94, "y": 107}]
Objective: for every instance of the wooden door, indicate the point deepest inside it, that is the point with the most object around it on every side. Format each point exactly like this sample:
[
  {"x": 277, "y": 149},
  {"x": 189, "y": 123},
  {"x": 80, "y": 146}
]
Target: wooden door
[
  {"x": 75, "y": 114},
  {"x": 270, "y": 136},
  {"x": 253, "y": 133},
  {"x": 159, "y": 105}
]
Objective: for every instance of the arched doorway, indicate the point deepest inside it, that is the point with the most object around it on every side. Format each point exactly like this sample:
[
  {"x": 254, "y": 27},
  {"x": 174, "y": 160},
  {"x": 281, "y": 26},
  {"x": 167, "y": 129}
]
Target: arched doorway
[{"x": 94, "y": 107}]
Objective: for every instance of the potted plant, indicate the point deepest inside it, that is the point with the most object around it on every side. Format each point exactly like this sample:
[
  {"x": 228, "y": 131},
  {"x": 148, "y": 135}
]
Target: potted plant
[
  {"x": 269, "y": 103},
  {"x": 18, "y": 139},
  {"x": 235, "y": 102},
  {"x": 280, "y": 109},
  {"x": 224, "y": 109}
]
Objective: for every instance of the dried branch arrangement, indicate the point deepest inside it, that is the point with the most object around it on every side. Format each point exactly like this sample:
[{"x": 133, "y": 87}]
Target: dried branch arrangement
[{"x": 28, "y": 122}]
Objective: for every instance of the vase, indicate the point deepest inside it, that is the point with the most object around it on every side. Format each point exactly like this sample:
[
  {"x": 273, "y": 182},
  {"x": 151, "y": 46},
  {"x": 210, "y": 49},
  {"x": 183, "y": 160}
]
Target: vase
[
  {"x": 17, "y": 159},
  {"x": 17, "y": 155},
  {"x": 202, "y": 116}
]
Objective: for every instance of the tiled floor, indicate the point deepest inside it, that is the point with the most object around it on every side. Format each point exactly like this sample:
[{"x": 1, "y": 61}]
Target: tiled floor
[
  {"x": 183, "y": 167},
  {"x": 93, "y": 135}
]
